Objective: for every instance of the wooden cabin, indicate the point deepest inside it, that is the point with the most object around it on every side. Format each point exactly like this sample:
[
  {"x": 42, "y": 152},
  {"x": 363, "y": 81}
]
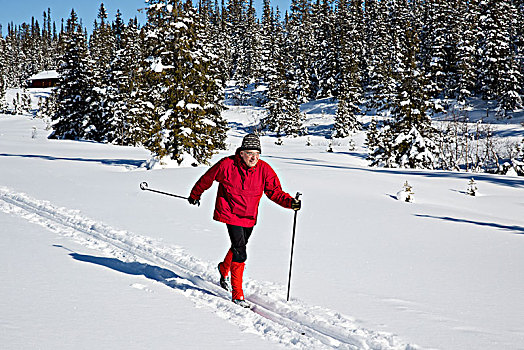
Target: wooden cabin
[{"x": 45, "y": 79}]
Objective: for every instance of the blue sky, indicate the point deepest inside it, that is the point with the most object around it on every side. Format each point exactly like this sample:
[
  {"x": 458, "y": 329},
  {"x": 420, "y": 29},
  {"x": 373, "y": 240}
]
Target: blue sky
[{"x": 19, "y": 11}]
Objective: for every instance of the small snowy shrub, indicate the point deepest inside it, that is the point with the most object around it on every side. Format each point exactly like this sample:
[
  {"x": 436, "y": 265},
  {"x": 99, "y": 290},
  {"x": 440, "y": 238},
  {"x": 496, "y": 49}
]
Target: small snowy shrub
[
  {"x": 406, "y": 194},
  {"x": 472, "y": 188},
  {"x": 330, "y": 147},
  {"x": 351, "y": 145}
]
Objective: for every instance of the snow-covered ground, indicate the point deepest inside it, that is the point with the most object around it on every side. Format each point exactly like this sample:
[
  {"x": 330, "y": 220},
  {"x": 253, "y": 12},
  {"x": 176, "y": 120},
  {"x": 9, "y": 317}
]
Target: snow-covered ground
[{"x": 88, "y": 260}]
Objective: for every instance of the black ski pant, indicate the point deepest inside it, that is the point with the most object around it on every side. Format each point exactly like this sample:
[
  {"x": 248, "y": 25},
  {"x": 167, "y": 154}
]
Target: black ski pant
[{"x": 239, "y": 236}]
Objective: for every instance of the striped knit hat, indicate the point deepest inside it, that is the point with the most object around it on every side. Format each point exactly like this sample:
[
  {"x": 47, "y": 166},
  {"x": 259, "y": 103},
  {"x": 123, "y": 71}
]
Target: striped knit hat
[{"x": 251, "y": 142}]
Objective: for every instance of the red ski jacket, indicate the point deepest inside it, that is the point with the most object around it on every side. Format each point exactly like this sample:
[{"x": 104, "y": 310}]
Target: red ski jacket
[{"x": 240, "y": 189}]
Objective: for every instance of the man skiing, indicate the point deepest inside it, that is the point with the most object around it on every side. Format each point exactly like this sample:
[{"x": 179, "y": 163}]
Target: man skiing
[{"x": 242, "y": 179}]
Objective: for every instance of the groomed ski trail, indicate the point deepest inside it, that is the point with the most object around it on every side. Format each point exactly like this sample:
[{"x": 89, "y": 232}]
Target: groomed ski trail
[{"x": 292, "y": 324}]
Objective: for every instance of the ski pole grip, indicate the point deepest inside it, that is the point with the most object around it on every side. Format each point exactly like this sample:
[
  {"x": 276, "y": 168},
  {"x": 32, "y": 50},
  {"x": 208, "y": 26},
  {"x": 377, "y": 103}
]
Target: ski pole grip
[{"x": 297, "y": 196}]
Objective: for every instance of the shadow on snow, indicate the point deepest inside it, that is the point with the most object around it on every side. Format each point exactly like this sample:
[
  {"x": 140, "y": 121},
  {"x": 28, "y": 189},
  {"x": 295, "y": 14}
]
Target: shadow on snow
[
  {"x": 155, "y": 273},
  {"x": 118, "y": 162},
  {"x": 513, "y": 228}
]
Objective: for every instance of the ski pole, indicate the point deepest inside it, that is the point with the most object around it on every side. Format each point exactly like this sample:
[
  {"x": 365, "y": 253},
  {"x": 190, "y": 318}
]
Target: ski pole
[
  {"x": 144, "y": 187},
  {"x": 292, "y": 247}
]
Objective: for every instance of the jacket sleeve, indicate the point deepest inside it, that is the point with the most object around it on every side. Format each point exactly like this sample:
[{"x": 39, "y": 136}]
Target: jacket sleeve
[
  {"x": 206, "y": 180},
  {"x": 273, "y": 189}
]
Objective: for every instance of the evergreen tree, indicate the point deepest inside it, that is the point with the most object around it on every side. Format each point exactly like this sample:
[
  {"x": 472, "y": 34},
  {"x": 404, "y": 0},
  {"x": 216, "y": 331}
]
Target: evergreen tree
[
  {"x": 72, "y": 107},
  {"x": 467, "y": 52},
  {"x": 438, "y": 49},
  {"x": 184, "y": 115},
  {"x": 101, "y": 53},
  {"x": 509, "y": 99},
  {"x": 236, "y": 18},
  {"x": 518, "y": 41},
  {"x": 323, "y": 51},
  {"x": 123, "y": 125},
  {"x": 3, "y": 103},
  {"x": 498, "y": 73},
  {"x": 252, "y": 46},
  {"x": 376, "y": 41},
  {"x": 350, "y": 53},
  {"x": 49, "y": 54},
  {"x": 406, "y": 140},
  {"x": 222, "y": 40},
  {"x": 346, "y": 121},
  {"x": 117, "y": 28},
  {"x": 510, "y": 84},
  {"x": 283, "y": 111},
  {"x": 267, "y": 41},
  {"x": 299, "y": 41}
]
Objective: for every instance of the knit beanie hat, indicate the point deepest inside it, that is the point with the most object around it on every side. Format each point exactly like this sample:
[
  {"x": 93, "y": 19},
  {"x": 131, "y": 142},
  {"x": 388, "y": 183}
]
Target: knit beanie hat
[{"x": 251, "y": 142}]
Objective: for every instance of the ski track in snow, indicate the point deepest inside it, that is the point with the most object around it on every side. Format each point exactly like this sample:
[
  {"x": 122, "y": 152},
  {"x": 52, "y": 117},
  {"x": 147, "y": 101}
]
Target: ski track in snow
[{"x": 293, "y": 324}]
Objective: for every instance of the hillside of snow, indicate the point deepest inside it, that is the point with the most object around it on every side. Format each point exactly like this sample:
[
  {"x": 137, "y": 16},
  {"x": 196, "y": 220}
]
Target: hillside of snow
[{"x": 88, "y": 260}]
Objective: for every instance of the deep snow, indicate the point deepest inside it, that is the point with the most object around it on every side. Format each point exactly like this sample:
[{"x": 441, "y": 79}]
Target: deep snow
[{"x": 87, "y": 254}]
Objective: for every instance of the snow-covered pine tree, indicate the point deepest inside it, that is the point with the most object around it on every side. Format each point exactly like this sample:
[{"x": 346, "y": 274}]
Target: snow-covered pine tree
[
  {"x": 387, "y": 45},
  {"x": 509, "y": 99},
  {"x": 46, "y": 109},
  {"x": 72, "y": 107},
  {"x": 406, "y": 140},
  {"x": 348, "y": 111},
  {"x": 300, "y": 39},
  {"x": 283, "y": 111},
  {"x": 48, "y": 47},
  {"x": 378, "y": 40},
  {"x": 371, "y": 135},
  {"x": 518, "y": 42},
  {"x": 323, "y": 53},
  {"x": 439, "y": 37},
  {"x": 235, "y": 19},
  {"x": 101, "y": 54},
  {"x": 350, "y": 53},
  {"x": 496, "y": 52},
  {"x": 406, "y": 194},
  {"x": 29, "y": 41},
  {"x": 467, "y": 52},
  {"x": 117, "y": 28},
  {"x": 3, "y": 102},
  {"x": 510, "y": 85},
  {"x": 330, "y": 147},
  {"x": 123, "y": 126},
  {"x": 518, "y": 159},
  {"x": 220, "y": 41},
  {"x": 209, "y": 85},
  {"x": 25, "y": 101},
  {"x": 351, "y": 144},
  {"x": 12, "y": 53},
  {"x": 17, "y": 104},
  {"x": 472, "y": 188},
  {"x": 252, "y": 44},
  {"x": 267, "y": 40},
  {"x": 247, "y": 49},
  {"x": 180, "y": 86}
]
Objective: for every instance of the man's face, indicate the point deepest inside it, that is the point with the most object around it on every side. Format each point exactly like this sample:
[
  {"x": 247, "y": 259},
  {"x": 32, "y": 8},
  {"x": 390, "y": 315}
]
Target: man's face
[{"x": 250, "y": 157}]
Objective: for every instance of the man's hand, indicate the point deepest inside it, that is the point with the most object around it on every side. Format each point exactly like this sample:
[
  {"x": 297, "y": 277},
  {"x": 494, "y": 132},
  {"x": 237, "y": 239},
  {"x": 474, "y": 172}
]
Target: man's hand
[
  {"x": 296, "y": 204},
  {"x": 193, "y": 201}
]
